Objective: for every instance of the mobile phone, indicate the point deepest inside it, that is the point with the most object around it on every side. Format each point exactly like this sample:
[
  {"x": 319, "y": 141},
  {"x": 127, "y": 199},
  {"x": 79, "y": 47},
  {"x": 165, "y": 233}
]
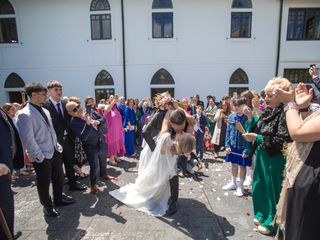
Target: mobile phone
[{"x": 88, "y": 109}]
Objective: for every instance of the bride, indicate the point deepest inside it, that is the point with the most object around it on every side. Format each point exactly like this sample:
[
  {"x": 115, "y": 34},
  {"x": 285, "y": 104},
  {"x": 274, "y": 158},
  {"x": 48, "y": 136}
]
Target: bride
[{"x": 151, "y": 190}]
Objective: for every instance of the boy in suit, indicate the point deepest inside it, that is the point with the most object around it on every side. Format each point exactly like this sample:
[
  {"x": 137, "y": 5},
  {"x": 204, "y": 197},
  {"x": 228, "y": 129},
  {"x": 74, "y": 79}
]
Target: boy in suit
[{"x": 39, "y": 138}]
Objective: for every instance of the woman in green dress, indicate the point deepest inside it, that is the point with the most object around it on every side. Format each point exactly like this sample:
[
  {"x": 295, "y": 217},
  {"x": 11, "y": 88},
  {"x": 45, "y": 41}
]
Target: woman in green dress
[{"x": 269, "y": 137}]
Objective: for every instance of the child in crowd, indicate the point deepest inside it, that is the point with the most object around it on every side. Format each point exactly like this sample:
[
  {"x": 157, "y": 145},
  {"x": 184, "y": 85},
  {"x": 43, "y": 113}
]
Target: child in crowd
[
  {"x": 199, "y": 130},
  {"x": 237, "y": 148}
]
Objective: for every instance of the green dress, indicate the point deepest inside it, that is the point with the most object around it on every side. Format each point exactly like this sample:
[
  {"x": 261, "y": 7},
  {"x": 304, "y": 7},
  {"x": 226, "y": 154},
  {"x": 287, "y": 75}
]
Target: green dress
[{"x": 266, "y": 186}]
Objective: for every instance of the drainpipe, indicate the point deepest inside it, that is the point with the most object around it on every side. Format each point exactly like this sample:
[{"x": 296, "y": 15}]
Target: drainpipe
[
  {"x": 123, "y": 52},
  {"x": 279, "y": 37}
]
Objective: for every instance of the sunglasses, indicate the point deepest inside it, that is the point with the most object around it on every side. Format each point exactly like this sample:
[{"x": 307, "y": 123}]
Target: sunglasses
[{"x": 76, "y": 108}]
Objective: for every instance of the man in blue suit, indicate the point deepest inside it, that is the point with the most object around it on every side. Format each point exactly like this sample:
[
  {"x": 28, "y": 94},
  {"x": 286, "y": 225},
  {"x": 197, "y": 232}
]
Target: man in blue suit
[
  {"x": 39, "y": 138},
  {"x": 11, "y": 157}
]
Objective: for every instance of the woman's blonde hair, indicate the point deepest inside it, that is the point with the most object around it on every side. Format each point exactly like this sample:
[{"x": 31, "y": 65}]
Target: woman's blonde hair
[
  {"x": 277, "y": 82},
  {"x": 186, "y": 144}
]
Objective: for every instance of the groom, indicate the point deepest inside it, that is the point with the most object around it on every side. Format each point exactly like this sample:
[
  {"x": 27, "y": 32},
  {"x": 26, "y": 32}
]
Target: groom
[{"x": 178, "y": 123}]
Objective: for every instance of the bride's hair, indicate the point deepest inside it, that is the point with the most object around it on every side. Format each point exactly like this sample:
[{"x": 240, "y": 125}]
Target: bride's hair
[{"x": 186, "y": 143}]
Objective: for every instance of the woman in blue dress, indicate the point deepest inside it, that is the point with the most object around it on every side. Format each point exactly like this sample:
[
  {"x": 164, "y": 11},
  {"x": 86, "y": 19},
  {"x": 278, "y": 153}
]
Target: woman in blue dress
[{"x": 130, "y": 126}]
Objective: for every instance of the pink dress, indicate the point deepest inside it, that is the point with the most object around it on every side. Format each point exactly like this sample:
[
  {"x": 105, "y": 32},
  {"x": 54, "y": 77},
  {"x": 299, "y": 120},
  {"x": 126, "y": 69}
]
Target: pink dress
[{"x": 115, "y": 135}]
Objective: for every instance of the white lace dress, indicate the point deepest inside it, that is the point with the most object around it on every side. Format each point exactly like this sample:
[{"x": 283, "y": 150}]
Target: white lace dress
[{"x": 151, "y": 190}]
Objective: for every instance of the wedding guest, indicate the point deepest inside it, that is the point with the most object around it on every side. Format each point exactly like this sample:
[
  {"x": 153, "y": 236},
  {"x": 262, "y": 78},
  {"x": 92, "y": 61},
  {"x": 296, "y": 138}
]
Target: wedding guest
[
  {"x": 100, "y": 123},
  {"x": 79, "y": 154},
  {"x": 269, "y": 137},
  {"x": 219, "y": 134},
  {"x": 130, "y": 126},
  {"x": 39, "y": 138},
  {"x": 11, "y": 157},
  {"x": 298, "y": 209},
  {"x": 237, "y": 148},
  {"x": 91, "y": 139},
  {"x": 210, "y": 113},
  {"x": 115, "y": 135},
  {"x": 61, "y": 124},
  {"x": 200, "y": 124}
]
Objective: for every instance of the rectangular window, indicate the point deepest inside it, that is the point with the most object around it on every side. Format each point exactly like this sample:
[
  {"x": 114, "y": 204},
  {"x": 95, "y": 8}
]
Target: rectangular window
[
  {"x": 303, "y": 24},
  {"x": 8, "y": 30},
  {"x": 100, "y": 26},
  {"x": 297, "y": 75},
  {"x": 103, "y": 93},
  {"x": 241, "y": 24},
  {"x": 162, "y": 25}
]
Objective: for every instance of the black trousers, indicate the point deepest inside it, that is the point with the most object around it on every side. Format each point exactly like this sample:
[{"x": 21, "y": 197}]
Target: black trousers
[
  {"x": 68, "y": 158},
  {"x": 46, "y": 171},
  {"x": 102, "y": 158},
  {"x": 6, "y": 205},
  {"x": 174, "y": 182}
]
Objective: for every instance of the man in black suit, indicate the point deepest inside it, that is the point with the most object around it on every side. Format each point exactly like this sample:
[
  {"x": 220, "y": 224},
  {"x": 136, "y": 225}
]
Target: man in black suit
[
  {"x": 11, "y": 157},
  {"x": 61, "y": 124}
]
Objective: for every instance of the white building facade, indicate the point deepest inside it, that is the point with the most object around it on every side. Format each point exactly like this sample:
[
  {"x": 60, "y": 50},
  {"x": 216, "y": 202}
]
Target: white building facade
[{"x": 139, "y": 47}]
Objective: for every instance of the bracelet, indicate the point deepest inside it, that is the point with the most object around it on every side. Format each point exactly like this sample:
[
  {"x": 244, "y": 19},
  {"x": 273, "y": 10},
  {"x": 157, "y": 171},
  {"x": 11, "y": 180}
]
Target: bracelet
[{"x": 290, "y": 106}]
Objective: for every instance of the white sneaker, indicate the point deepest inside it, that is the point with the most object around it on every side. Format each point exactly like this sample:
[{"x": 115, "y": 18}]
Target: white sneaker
[
  {"x": 239, "y": 192},
  {"x": 229, "y": 186},
  {"x": 247, "y": 182}
]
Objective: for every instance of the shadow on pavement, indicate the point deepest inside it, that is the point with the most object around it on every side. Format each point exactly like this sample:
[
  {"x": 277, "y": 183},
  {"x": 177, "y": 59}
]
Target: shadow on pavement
[{"x": 196, "y": 221}]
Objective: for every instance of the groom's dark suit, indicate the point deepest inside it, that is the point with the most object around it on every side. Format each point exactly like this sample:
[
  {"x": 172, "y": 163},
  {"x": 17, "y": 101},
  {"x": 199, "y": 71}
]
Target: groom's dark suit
[{"x": 152, "y": 130}]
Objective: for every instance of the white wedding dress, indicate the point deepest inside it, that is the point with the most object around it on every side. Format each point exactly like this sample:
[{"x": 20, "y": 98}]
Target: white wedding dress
[{"x": 151, "y": 190}]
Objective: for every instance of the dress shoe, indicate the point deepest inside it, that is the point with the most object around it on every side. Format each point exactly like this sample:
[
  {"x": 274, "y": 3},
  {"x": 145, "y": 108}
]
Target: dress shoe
[
  {"x": 51, "y": 212},
  {"x": 65, "y": 200},
  {"x": 109, "y": 177},
  {"x": 77, "y": 186},
  {"x": 173, "y": 207},
  {"x": 94, "y": 189}
]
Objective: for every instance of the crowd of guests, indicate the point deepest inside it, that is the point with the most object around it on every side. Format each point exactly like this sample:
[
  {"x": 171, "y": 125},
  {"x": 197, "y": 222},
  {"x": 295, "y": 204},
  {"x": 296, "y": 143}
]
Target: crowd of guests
[{"x": 270, "y": 138}]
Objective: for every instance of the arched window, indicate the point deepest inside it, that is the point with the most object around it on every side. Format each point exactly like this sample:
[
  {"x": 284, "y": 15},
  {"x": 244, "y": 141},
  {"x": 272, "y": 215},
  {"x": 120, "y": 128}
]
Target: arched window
[
  {"x": 162, "y": 77},
  {"x": 162, "y": 4},
  {"x": 239, "y": 77},
  {"x": 8, "y": 26},
  {"x": 100, "y": 5},
  {"x": 241, "y": 19},
  {"x": 162, "y": 19},
  {"x": 14, "y": 81},
  {"x": 103, "y": 78},
  {"x": 241, "y": 4},
  {"x": 100, "y": 23}
]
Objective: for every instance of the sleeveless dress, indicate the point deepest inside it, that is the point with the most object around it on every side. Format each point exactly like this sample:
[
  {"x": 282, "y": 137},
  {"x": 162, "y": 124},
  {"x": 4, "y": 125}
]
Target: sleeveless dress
[
  {"x": 115, "y": 135},
  {"x": 303, "y": 206}
]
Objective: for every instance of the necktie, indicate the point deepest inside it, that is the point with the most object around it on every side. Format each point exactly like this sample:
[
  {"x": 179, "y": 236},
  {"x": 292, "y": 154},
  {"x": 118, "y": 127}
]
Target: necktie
[{"x": 59, "y": 110}]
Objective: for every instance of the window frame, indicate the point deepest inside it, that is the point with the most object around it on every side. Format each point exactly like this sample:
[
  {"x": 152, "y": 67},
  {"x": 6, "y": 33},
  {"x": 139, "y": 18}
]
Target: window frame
[
  {"x": 100, "y": 14},
  {"x": 302, "y": 72},
  {"x": 304, "y": 26},
  {"x": 162, "y": 25},
  {"x": 241, "y": 19},
  {"x": 7, "y": 16}
]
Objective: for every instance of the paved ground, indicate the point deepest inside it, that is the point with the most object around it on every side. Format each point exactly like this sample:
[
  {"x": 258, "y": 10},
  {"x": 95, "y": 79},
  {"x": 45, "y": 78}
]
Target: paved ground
[{"x": 205, "y": 211}]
